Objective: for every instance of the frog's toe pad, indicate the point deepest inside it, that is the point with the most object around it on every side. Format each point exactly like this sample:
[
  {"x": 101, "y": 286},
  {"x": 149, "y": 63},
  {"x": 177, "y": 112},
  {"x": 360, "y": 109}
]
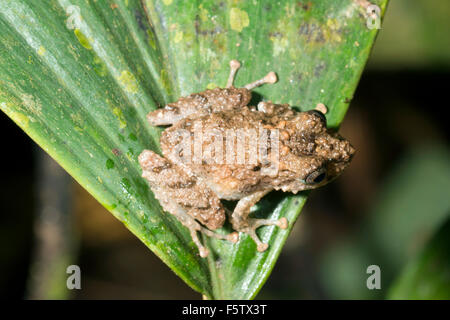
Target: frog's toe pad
[
  {"x": 233, "y": 237},
  {"x": 283, "y": 223},
  {"x": 262, "y": 247}
]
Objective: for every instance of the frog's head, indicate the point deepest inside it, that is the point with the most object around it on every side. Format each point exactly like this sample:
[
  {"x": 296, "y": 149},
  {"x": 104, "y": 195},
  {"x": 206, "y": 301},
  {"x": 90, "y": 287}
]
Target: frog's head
[{"x": 310, "y": 155}]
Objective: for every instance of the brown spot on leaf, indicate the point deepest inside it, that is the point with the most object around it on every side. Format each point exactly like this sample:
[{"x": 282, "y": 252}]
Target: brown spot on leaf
[
  {"x": 275, "y": 34},
  {"x": 319, "y": 68},
  {"x": 141, "y": 20},
  {"x": 305, "y": 6},
  {"x": 312, "y": 32},
  {"x": 205, "y": 32}
]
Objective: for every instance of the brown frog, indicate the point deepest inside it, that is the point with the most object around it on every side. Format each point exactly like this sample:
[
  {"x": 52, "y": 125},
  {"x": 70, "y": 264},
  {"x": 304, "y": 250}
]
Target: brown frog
[{"x": 218, "y": 147}]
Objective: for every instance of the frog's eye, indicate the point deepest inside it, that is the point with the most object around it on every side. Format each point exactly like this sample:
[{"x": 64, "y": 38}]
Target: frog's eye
[
  {"x": 316, "y": 177},
  {"x": 320, "y": 115}
]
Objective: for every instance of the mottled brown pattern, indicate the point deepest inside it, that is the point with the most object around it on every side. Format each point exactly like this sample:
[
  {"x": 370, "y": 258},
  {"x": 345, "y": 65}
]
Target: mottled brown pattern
[{"x": 305, "y": 156}]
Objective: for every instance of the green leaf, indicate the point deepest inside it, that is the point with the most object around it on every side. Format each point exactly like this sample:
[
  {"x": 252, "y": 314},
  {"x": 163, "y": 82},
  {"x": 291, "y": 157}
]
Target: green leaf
[
  {"x": 79, "y": 77},
  {"x": 428, "y": 275}
]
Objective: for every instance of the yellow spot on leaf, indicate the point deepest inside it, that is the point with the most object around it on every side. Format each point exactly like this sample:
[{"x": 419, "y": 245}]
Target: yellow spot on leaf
[
  {"x": 279, "y": 40},
  {"x": 118, "y": 112},
  {"x": 31, "y": 103},
  {"x": 188, "y": 36},
  {"x": 41, "y": 51},
  {"x": 211, "y": 86},
  {"x": 178, "y": 36},
  {"x": 165, "y": 81},
  {"x": 21, "y": 119},
  {"x": 290, "y": 10},
  {"x": 203, "y": 13},
  {"x": 279, "y": 45},
  {"x": 167, "y": 2},
  {"x": 173, "y": 26},
  {"x": 82, "y": 39},
  {"x": 332, "y": 32},
  {"x": 128, "y": 80},
  {"x": 238, "y": 19},
  {"x": 77, "y": 118},
  {"x": 151, "y": 39},
  {"x": 100, "y": 67}
]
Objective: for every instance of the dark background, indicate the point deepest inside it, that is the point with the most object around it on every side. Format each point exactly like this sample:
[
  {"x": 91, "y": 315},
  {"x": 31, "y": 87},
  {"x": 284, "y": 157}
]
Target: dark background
[{"x": 381, "y": 211}]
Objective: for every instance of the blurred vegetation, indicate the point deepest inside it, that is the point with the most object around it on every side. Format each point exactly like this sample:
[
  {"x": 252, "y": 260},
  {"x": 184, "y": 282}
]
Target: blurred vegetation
[
  {"x": 412, "y": 199},
  {"x": 413, "y": 36},
  {"x": 412, "y": 204},
  {"x": 428, "y": 275}
]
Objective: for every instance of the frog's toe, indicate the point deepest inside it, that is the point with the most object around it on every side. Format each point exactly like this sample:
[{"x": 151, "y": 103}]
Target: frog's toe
[
  {"x": 256, "y": 223},
  {"x": 233, "y": 237},
  {"x": 262, "y": 247},
  {"x": 203, "y": 252},
  {"x": 282, "y": 223}
]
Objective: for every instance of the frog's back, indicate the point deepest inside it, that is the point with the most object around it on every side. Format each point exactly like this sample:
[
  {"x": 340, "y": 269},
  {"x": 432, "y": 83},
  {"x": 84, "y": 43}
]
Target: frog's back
[
  {"x": 228, "y": 139},
  {"x": 220, "y": 123}
]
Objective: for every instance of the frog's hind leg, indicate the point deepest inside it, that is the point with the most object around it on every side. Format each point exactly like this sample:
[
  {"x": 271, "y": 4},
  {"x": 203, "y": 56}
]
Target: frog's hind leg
[
  {"x": 241, "y": 222},
  {"x": 189, "y": 222},
  {"x": 193, "y": 204}
]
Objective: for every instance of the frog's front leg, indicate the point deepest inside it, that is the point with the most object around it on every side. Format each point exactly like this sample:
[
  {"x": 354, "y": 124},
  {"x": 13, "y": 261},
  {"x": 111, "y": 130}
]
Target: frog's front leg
[
  {"x": 184, "y": 197},
  {"x": 241, "y": 222}
]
